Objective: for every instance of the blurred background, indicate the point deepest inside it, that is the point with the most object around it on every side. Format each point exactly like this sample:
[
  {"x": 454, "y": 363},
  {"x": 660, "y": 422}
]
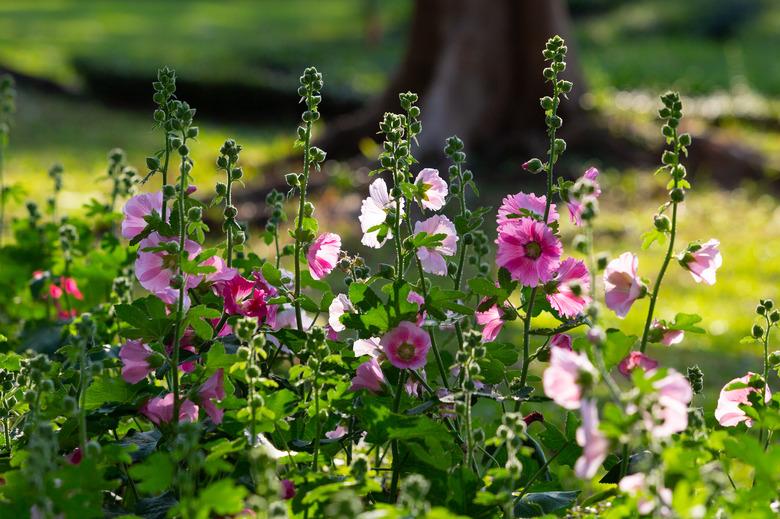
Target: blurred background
[{"x": 84, "y": 71}]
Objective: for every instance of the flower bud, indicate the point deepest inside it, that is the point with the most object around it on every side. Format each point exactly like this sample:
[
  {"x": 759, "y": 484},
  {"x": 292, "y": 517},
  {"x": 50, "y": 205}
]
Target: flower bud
[
  {"x": 177, "y": 281},
  {"x": 195, "y": 214},
  {"x": 533, "y": 166},
  {"x": 677, "y": 195},
  {"x": 230, "y": 212},
  {"x": 760, "y": 310},
  {"x": 169, "y": 191},
  {"x": 774, "y": 359},
  {"x": 662, "y": 222},
  {"x": 236, "y": 174},
  {"x": 696, "y": 378},
  {"x": 774, "y": 316},
  {"x": 757, "y": 331}
]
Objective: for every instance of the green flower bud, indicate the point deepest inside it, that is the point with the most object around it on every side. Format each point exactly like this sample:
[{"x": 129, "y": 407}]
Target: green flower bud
[
  {"x": 757, "y": 331},
  {"x": 195, "y": 214},
  {"x": 677, "y": 195},
  {"x": 662, "y": 222}
]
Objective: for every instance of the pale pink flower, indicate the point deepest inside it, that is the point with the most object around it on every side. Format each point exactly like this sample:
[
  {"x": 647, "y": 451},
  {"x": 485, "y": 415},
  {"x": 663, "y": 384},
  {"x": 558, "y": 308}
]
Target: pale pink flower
[
  {"x": 594, "y": 444},
  {"x": 670, "y": 414},
  {"x": 368, "y": 376},
  {"x": 213, "y": 390},
  {"x": 412, "y": 385},
  {"x": 563, "y": 379},
  {"x": 432, "y": 258},
  {"x": 636, "y": 359},
  {"x": 135, "y": 365},
  {"x": 339, "y": 432},
  {"x": 415, "y": 298},
  {"x": 160, "y": 410},
  {"x": 668, "y": 337},
  {"x": 635, "y": 485},
  {"x": 703, "y": 262},
  {"x": 136, "y": 209},
  {"x": 370, "y": 347},
  {"x": 323, "y": 254},
  {"x": 373, "y": 213},
  {"x": 338, "y": 307},
  {"x": 728, "y": 412},
  {"x": 514, "y": 207},
  {"x": 575, "y": 206},
  {"x": 434, "y": 188},
  {"x": 529, "y": 250},
  {"x": 221, "y": 271},
  {"x": 622, "y": 285},
  {"x": 406, "y": 346},
  {"x": 491, "y": 322},
  {"x": 567, "y": 293},
  {"x": 154, "y": 269},
  {"x": 561, "y": 340}
]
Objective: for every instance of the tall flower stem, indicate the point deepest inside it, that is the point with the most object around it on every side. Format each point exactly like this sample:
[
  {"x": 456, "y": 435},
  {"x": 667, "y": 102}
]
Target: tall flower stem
[
  {"x": 396, "y": 451},
  {"x": 301, "y": 207}
]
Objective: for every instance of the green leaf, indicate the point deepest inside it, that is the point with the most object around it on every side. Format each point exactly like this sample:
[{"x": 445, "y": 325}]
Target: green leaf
[
  {"x": 155, "y": 474},
  {"x": 217, "y": 358},
  {"x": 537, "y": 504},
  {"x": 223, "y": 497},
  {"x": 686, "y": 322},
  {"x": 652, "y": 236},
  {"x": 109, "y": 389},
  {"x": 616, "y": 347},
  {"x": 272, "y": 274}
]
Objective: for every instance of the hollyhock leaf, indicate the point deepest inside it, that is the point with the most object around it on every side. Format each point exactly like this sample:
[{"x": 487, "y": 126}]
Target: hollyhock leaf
[
  {"x": 223, "y": 497},
  {"x": 491, "y": 370},
  {"x": 110, "y": 389},
  {"x": 308, "y": 304},
  {"x": 217, "y": 358},
  {"x": 10, "y": 361},
  {"x": 449, "y": 300},
  {"x": 537, "y": 504},
  {"x": 272, "y": 274},
  {"x": 486, "y": 287},
  {"x": 155, "y": 474},
  {"x": 554, "y": 439},
  {"x": 650, "y": 237},
  {"x": 686, "y": 322},
  {"x": 503, "y": 352},
  {"x": 616, "y": 347}
]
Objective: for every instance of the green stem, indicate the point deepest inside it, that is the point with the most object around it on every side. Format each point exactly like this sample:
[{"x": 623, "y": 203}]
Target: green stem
[
  {"x": 180, "y": 303},
  {"x": 541, "y": 470},
  {"x": 83, "y": 400},
  {"x": 2, "y": 187},
  {"x": 228, "y": 203},
  {"x": 299, "y": 230},
  {"x": 165, "y": 175},
  {"x": 317, "y": 422},
  {"x": 396, "y": 450}
]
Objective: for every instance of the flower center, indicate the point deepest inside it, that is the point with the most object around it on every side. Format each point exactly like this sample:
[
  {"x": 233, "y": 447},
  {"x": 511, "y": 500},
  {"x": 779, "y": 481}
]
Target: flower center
[
  {"x": 169, "y": 261},
  {"x": 406, "y": 351},
  {"x": 533, "y": 250}
]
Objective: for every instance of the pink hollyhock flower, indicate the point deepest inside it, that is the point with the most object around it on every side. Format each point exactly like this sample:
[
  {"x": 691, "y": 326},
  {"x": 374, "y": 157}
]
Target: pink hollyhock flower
[
  {"x": 434, "y": 189},
  {"x": 568, "y": 291},
  {"x": 222, "y": 271},
  {"x": 728, "y": 412},
  {"x": 636, "y": 359},
  {"x": 368, "y": 376},
  {"x": 415, "y": 298},
  {"x": 135, "y": 365},
  {"x": 338, "y": 307},
  {"x": 594, "y": 444},
  {"x": 668, "y": 337},
  {"x": 561, "y": 340},
  {"x": 575, "y": 206},
  {"x": 154, "y": 270},
  {"x": 339, "y": 432},
  {"x": 514, "y": 207},
  {"x": 211, "y": 390},
  {"x": 703, "y": 261},
  {"x": 491, "y": 322},
  {"x": 406, "y": 346},
  {"x": 136, "y": 209},
  {"x": 529, "y": 250},
  {"x": 635, "y": 485},
  {"x": 622, "y": 284},
  {"x": 412, "y": 386},
  {"x": 370, "y": 347},
  {"x": 75, "y": 457},
  {"x": 432, "y": 258},
  {"x": 563, "y": 379},
  {"x": 323, "y": 254},
  {"x": 373, "y": 213},
  {"x": 247, "y": 297},
  {"x": 670, "y": 414},
  {"x": 71, "y": 288},
  {"x": 286, "y": 489},
  {"x": 160, "y": 410}
]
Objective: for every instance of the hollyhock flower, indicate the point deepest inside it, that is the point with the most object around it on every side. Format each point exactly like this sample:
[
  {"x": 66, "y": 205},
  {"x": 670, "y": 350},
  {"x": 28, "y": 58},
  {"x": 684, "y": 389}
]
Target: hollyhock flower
[
  {"x": 529, "y": 250},
  {"x": 594, "y": 444},
  {"x": 514, "y": 207},
  {"x": 563, "y": 380},
  {"x": 574, "y": 205},
  {"x": 415, "y": 298},
  {"x": 491, "y": 322},
  {"x": 160, "y": 410},
  {"x": 412, "y": 385},
  {"x": 211, "y": 390},
  {"x": 135, "y": 365},
  {"x": 368, "y": 376},
  {"x": 247, "y": 297},
  {"x": 561, "y": 340},
  {"x": 728, "y": 412},
  {"x": 621, "y": 283},
  {"x": 432, "y": 258},
  {"x": 339, "y": 432},
  {"x": 636, "y": 359},
  {"x": 338, "y": 307},
  {"x": 406, "y": 346},
  {"x": 670, "y": 414},
  {"x": 323, "y": 254},
  {"x": 221, "y": 273},
  {"x": 635, "y": 485},
  {"x": 154, "y": 270},
  {"x": 373, "y": 213},
  {"x": 286, "y": 489},
  {"x": 703, "y": 261},
  {"x": 71, "y": 288},
  {"x": 75, "y": 457},
  {"x": 136, "y": 209},
  {"x": 434, "y": 189},
  {"x": 568, "y": 291},
  {"x": 668, "y": 337},
  {"x": 370, "y": 347}
]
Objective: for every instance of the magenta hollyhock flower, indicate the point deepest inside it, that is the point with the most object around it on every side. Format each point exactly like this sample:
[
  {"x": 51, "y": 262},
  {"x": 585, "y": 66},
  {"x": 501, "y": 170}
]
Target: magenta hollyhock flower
[
  {"x": 406, "y": 346},
  {"x": 75, "y": 457},
  {"x": 323, "y": 254},
  {"x": 567, "y": 293},
  {"x": 703, "y": 261},
  {"x": 368, "y": 376},
  {"x": 135, "y": 365},
  {"x": 636, "y": 359},
  {"x": 136, "y": 209},
  {"x": 286, "y": 489},
  {"x": 594, "y": 444},
  {"x": 529, "y": 250},
  {"x": 622, "y": 285},
  {"x": 432, "y": 258},
  {"x": 373, "y": 213},
  {"x": 575, "y": 206},
  {"x": 370, "y": 347},
  {"x": 160, "y": 410},
  {"x": 563, "y": 379},
  {"x": 514, "y": 207},
  {"x": 71, "y": 288},
  {"x": 728, "y": 412},
  {"x": 247, "y": 297},
  {"x": 154, "y": 270},
  {"x": 213, "y": 390},
  {"x": 491, "y": 322},
  {"x": 561, "y": 340},
  {"x": 670, "y": 414},
  {"x": 338, "y": 307},
  {"x": 668, "y": 337},
  {"x": 434, "y": 189},
  {"x": 415, "y": 298}
]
